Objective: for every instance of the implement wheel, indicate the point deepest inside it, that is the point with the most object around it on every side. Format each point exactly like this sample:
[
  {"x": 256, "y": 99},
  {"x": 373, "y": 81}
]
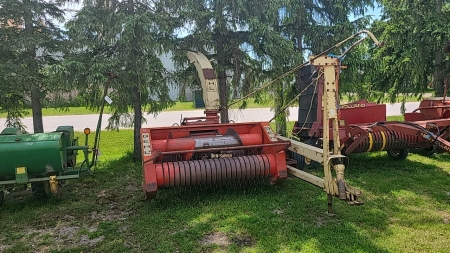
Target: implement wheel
[
  {"x": 427, "y": 151},
  {"x": 399, "y": 154},
  {"x": 302, "y": 161},
  {"x": 40, "y": 190},
  {"x": 72, "y": 163}
]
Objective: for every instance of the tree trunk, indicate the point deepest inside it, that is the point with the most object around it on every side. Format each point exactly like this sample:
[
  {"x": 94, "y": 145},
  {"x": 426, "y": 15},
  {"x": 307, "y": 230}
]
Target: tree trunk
[
  {"x": 438, "y": 80},
  {"x": 137, "y": 103},
  {"x": 36, "y": 106},
  {"x": 137, "y": 106},
  {"x": 299, "y": 34},
  {"x": 280, "y": 121},
  {"x": 222, "y": 76}
]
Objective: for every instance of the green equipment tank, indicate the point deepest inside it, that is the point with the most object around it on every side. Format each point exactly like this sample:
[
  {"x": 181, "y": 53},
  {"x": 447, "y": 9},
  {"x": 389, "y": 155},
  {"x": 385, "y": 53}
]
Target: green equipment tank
[
  {"x": 45, "y": 160},
  {"x": 41, "y": 154}
]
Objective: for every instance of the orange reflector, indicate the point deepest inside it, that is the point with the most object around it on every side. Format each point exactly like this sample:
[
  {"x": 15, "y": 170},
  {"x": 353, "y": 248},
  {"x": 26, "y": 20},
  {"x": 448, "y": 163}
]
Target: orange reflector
[{"x": 87, "y": 131}]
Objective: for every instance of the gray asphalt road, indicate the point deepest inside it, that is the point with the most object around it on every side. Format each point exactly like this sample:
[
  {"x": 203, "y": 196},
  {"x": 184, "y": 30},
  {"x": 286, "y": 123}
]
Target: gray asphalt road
[{"x": 168, "y": 118}]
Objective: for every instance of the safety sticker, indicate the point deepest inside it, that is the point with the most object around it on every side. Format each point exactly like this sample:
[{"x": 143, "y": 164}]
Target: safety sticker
[
  {"x": 271, "y": 133},
  {"x": 146, "y": 144}
]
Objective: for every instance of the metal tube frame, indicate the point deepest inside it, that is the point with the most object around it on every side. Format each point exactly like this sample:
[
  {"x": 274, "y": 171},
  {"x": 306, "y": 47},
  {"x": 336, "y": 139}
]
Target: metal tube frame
[
  {"x": 329, "y": 67},
  {"x": 331, "y": 158}
]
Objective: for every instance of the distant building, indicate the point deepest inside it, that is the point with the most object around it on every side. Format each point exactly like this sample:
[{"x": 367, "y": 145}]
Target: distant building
[
  {"x": 166, "y": 60},
  {"x": 175, "y": 88}
]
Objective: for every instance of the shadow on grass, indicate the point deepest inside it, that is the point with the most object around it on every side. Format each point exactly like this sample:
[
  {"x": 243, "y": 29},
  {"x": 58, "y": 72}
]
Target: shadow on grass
[
  {"x": 81, "y": 220},
  {"x": 238, "y": 217},
  {"x": 289, "y": 217},
  {"x": 427, "y": 176},
  {"x": 292, "y": 217}
]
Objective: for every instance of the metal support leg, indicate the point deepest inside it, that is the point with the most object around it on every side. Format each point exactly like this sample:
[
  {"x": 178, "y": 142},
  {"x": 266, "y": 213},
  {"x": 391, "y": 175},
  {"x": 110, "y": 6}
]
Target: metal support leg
[
  {"x": 339, "y": 168},
  {"x": 330, "y": 203},
  {"x": 54, "y": 185}
]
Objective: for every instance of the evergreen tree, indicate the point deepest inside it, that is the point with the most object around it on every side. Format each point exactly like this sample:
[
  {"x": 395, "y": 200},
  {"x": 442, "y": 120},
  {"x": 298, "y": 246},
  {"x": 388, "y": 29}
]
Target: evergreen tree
[
  {"x": 415, "y": 33},
  {"x": 312, "y": 26},
  {"x": 119, "y": 43},
  {"x": 238, "y": 36},
  {"x": 31, "y": 41}
]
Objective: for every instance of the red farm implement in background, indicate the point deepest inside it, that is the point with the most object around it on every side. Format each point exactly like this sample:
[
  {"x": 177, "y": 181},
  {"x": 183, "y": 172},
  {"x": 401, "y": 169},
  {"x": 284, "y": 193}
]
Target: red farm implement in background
[{"x": 363, "y": 126}]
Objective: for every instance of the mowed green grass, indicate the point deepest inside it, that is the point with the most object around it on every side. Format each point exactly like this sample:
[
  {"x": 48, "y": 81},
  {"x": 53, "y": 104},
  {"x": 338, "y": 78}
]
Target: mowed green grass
[
  {"x": 407, "y": 209},
  {"x": 179, "y": 106}
]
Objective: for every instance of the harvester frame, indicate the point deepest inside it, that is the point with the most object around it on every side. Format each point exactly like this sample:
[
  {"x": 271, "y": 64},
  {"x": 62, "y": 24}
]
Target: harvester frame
[
  {"x": 329, "y": 155},
  {"x": 161, "y": 172}
]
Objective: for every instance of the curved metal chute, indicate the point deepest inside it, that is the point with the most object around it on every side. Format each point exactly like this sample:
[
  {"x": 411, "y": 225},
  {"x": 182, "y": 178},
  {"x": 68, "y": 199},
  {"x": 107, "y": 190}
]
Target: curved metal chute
[{"x": 207, "y": 78}]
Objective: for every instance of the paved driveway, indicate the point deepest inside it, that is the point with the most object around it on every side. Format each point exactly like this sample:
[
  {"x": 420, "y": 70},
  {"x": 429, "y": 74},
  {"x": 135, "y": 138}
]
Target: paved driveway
[{"x": 168, "y": 118}]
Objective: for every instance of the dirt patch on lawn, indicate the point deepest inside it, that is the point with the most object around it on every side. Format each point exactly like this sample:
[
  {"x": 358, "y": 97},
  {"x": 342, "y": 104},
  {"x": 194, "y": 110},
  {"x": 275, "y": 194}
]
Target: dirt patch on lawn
[
  {"x": 223, "y": 241},
  {"x": 217, "y": 238},
  {"x": 244, "y": 241},
  {"x": 62, "y": 236}
]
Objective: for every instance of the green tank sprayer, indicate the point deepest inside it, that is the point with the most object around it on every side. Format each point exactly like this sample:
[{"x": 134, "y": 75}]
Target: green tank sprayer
[{"x": 45, "y": 160}]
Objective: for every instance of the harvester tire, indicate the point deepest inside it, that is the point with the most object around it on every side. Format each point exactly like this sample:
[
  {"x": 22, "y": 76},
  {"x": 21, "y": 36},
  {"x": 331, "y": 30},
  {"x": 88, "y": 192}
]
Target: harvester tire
[
  {"x": 40, "y": 190},
  {"x": 400, "y": 154},
  {"x": 302, "y": 162},
  {"x": 427, "y": 152},
  {"x": 61, "y": 189},
  {"x": 72, "y": 163}
]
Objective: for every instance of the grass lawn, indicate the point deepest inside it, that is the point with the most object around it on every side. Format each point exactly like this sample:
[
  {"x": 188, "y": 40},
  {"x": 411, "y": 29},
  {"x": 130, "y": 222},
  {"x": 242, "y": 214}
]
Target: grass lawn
[
  {"x": 407, "y": 209},
  {"x": 179, "y": 106}
]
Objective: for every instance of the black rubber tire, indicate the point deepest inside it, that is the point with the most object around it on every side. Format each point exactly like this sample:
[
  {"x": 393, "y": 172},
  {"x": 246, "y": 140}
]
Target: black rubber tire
[
  {"x": 40, "y": 190},
  {"x": 301, "y": 163},
  {"x": 427, "y": 152},
  {"x": 72, "y": 163},
  {"x": 61, "y": 189},
  {"x": 300, "y": 159},
  {"x": 400, "y": 154}
]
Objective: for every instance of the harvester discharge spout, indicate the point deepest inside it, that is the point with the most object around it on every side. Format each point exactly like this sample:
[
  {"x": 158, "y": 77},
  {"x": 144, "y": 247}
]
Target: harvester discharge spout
[{"x": 210, "y": 88}]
